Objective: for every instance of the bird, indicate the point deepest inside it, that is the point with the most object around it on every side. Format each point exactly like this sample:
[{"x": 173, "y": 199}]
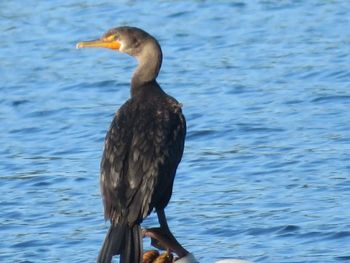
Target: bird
[{"x": 142, "y": 150}]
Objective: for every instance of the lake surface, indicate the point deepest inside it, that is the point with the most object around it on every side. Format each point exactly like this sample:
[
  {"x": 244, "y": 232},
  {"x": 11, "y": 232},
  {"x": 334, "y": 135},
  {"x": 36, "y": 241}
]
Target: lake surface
[{"x": 266, "y": 91}]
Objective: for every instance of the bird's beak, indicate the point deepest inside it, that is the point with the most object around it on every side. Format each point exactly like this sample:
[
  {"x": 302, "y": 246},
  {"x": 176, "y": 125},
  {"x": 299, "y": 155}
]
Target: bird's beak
[{"x": 103, "y": 42}]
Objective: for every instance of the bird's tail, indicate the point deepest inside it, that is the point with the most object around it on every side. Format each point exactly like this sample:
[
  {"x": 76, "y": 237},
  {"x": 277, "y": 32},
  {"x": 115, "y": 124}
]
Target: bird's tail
[{"x": 122, "y": 240}]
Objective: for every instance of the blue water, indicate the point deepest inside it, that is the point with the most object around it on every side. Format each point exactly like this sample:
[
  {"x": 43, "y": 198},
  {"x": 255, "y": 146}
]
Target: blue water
[{"x": 266, "y": 91}]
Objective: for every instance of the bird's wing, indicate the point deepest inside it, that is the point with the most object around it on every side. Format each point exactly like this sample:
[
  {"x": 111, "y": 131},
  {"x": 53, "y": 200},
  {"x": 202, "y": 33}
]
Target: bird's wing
[
  {"x": 158, "y": 152},
  {"x": 114, "y": 166},
  {"x": 142, "y": 150},
  {"x": 171, "y": 152}
]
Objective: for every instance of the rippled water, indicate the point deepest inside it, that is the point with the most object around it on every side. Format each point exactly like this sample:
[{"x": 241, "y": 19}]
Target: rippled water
[{"x": 265, "y": 88}]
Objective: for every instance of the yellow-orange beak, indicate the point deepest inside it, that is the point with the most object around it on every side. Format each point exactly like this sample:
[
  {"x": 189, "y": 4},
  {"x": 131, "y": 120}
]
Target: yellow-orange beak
[{"x": 104, "y": 43}]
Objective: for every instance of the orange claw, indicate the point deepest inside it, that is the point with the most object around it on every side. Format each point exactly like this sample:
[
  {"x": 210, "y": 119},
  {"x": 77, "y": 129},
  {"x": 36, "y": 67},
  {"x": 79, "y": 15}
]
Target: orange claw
[
  {"x": 166, "y": 257},
  {"x": 150, "y": 256}
]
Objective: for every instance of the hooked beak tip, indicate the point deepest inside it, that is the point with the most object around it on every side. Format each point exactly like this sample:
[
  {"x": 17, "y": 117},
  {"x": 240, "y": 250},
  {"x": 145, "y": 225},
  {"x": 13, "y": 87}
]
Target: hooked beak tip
[{"x": 78, "y": 45}]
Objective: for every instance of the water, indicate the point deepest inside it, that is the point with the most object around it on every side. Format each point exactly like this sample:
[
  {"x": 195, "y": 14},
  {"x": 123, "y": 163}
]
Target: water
[{"x": 265, "y": 89}]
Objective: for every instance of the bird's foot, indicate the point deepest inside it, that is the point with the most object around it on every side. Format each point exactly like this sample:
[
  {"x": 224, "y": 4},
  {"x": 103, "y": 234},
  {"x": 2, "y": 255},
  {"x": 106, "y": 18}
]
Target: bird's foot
[{"x": 153, "y": 256}]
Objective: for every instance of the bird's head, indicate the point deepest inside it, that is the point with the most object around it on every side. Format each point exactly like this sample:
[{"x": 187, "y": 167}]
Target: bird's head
[
  {"x": 136, "y": 43},
  {"x": 129, "y": 40}
]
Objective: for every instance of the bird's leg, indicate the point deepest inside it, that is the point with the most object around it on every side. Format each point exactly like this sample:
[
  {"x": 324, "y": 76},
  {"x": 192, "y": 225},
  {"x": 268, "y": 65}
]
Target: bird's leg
[
  {"x": 173, "y": 244},
  {"x": 162, "y": 238},
  {"x": 158, "y": 240}
]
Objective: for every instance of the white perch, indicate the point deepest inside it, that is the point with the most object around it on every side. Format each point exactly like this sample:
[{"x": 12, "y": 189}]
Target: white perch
[{"x": 191, "y": 259}]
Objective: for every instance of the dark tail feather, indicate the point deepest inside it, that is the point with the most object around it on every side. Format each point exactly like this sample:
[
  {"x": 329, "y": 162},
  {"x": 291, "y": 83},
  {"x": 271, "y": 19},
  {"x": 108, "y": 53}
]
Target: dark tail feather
[
  {"x": 132, "y": 248},
  {"x": 112, "y": 244},
  {"x": 123, "y": 240}
]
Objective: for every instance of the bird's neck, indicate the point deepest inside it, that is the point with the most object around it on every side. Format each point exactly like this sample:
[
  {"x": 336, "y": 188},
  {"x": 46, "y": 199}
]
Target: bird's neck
[{"x": 150, "y": 61}]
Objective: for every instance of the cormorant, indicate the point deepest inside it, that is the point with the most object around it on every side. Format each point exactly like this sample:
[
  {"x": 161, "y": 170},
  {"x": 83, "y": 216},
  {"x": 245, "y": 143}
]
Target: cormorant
[{"x": 142, "y": 149}]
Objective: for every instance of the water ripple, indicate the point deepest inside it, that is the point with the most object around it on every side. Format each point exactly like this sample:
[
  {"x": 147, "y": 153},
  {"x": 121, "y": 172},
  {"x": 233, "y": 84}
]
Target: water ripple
[{"x": 264, "y": 84}]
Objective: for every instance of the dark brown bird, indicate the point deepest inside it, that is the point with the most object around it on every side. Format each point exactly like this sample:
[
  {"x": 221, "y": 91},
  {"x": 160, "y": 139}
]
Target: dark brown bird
[{"x": 142, "y": 150}]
